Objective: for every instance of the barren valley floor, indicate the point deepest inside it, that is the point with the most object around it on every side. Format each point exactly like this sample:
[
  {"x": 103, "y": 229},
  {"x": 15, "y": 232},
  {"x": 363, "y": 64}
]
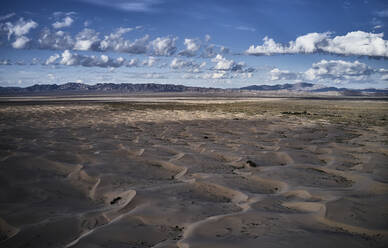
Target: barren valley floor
[{"x": 187, "y": 173}]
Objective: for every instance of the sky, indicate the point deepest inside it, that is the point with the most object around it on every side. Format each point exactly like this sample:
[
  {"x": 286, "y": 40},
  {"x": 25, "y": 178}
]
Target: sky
[{"x": 210, "y": 43}]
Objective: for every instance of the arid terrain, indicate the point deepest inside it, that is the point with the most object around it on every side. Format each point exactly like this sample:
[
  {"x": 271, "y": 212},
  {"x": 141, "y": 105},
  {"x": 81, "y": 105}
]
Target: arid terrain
[{"x": 188, "y": 172}]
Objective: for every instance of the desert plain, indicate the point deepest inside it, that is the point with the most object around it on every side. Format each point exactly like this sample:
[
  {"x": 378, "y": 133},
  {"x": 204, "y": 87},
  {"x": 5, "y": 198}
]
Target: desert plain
[{"x": 188, "y": 172}]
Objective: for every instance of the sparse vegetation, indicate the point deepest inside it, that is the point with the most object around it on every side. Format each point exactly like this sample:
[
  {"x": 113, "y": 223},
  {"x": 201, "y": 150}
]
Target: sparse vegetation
[{"x": 345, "y": 111}]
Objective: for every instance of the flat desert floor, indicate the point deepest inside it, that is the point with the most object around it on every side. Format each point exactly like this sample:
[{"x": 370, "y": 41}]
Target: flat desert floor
[{"x": 194, "y": 173}]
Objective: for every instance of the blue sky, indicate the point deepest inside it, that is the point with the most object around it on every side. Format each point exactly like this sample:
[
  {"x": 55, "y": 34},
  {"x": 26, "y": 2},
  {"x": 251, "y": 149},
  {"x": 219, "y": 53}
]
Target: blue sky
[{"x": 200, "y": 43}]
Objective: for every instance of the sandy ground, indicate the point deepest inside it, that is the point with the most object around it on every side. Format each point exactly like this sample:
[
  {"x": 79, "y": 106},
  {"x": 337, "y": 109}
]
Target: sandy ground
[{"x": 132, "y": 175}]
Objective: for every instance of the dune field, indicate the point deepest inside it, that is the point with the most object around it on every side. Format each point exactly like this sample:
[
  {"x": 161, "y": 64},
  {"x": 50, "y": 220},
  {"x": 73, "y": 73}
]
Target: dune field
[{"x": 194, "y": 173}]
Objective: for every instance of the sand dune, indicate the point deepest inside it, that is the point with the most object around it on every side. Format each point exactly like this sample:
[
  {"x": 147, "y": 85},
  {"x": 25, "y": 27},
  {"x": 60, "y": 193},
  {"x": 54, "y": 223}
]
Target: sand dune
[{"x": 188, "y": 174}]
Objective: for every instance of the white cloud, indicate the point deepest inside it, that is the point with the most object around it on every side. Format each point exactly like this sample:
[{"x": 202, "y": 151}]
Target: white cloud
[
  {"x": 179, "y": 64},
  {"x": 20, "y": 42},
  {"x": 223, "y": 64},
  {"x": 207, "y": 38},
  {"x": 153, "y": 76},
  {"x": 338, "y": 70},
  {"x": 86, "y": 40},
  {"x": 133, "y": 62},
  {"x": 359, "y": 43},
  {"x": 52, "y": 59},
  {"x": 218, "y": 75},
  {"x": 224, "y": 50},
  {"x": 73, "y": 59},
  {"x": 150, "y": 61},
  {"x": 5, "y": 62},
  {"x": 333, "y": 72},
  {"x": 20, "y": 28},
  {"x": 277, "y": 74},
  {"x": 115, "y": 42},
  {"x": 66, "y": 22},
  {"x": 69, "y": 59},
  {"x": 211, "y": 50},
  {"x": 58, "y": 40},
  {"x": 192, "y": 46},
  {"x": 384, "y": 74},
  {"x": 7, "y": 16},
  {"x": 51, "y": 76},
  {"x": 35, "y": 61},
  {"x": 89, "y": 40},
  {"x": 246, "y": 75},
  {"x": 164, "y": 46},
  {"x": 353, "y": 43}
]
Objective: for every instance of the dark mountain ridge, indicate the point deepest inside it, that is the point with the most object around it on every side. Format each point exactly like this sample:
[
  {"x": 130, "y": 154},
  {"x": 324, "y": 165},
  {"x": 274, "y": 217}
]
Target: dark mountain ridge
[{"x": 155, "y": 88}]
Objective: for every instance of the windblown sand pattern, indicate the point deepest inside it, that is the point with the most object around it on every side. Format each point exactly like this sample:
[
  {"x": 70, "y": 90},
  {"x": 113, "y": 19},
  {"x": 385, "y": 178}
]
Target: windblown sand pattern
[{"x": 271, "y": 173}]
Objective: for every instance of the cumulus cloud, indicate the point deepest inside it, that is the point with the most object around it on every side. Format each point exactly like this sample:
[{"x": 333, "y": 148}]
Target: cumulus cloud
[
  {"x": 20, "y": 28},
  {"x": 192, "y": 46},
  {"x": 223, "y": 64},
  {"x": 189, "y": 65},
  {"x": 357, "y": 43},
  {"x": 383, "y": 73},
  {"x": 277, "y": 74},
  {"x": 218, "y": 75},
  {"x": 52, "y": 59},
  {"x": 132, "y": 62},
  {"x": 214, "y": 75},
  {"x": 115, "y": 42},
  {"x": 150, "y": 61},
  {"x": 211, "y": 50},
  {"x": 179, "y": 63},
  {"x": 20, "y": 42},
  {"x": 164, "y": 46},
  {"x": 338, "y": 70},
  {"x": 332, "y": 71},
  {"x": 66, "y": 22},
  {"x": 89, "y": 40},
  {"x": 74, "y": 59},
  {"x": 86, "y": 40},
  {"x": 58, "y": 40}
]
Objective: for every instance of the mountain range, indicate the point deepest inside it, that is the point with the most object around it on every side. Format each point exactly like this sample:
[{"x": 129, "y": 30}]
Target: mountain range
[{"x": 70, "y": 88}]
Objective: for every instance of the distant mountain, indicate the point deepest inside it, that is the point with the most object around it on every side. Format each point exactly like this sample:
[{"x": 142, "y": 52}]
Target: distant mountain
[
  {"x": 102, "y": 88},
  {"x": 298, "y": 86},
  {"x": 315, "y": 88},
  {"x": 79, "y": 88}
]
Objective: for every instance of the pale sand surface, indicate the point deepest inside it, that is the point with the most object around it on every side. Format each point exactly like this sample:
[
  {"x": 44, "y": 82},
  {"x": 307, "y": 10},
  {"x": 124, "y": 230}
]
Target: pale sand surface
[{"x": 187, "y": 173}]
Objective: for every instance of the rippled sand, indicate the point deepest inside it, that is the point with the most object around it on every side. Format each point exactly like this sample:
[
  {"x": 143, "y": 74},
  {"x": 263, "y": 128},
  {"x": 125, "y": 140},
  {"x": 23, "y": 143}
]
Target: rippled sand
[{"x": 194, "y": 174}]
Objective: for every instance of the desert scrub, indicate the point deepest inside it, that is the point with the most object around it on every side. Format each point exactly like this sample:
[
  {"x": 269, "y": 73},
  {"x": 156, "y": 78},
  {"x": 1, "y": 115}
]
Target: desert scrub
[{"x": 360, "y": 113}]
